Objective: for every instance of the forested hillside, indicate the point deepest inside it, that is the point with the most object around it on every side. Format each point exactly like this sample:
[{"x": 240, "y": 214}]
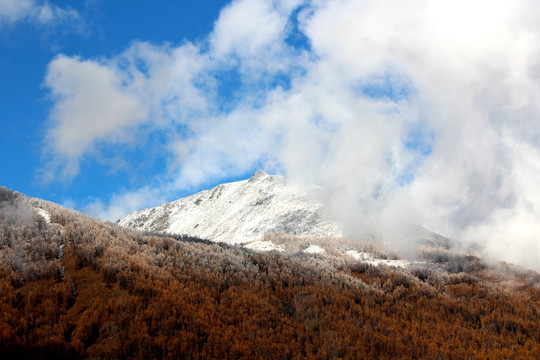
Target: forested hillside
[{"x": 74, "y": 287}]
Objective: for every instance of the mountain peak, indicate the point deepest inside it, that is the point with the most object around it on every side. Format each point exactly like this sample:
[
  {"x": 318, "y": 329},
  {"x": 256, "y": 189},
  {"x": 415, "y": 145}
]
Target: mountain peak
[
  {"x": 239, "y": 212},
  {"x": 258, "y": 175}
]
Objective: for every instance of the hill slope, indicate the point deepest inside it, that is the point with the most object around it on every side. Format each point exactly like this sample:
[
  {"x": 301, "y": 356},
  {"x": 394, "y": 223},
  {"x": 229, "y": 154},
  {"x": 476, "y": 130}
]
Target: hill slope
[{"x": 74, "y": 287}]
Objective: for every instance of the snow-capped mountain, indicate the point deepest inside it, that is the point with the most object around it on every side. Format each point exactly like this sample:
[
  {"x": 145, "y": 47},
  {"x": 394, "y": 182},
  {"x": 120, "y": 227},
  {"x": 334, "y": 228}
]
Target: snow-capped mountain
[{"x": 240, "y": 213}]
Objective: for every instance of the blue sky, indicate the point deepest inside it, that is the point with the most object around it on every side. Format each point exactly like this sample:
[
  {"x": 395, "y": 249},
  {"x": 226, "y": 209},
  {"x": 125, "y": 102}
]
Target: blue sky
[{"x": 424, "y": 112}]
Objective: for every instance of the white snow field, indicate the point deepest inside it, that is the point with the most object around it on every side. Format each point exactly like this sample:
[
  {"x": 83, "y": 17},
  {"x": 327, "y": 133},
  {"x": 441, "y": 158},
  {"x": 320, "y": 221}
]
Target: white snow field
[{"x": 240, "y": 213}]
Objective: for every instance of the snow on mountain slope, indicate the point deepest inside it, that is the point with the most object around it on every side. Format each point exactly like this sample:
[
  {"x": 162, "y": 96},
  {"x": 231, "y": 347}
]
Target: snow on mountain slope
[
  {"x": 239, "y": 213},
  {"x": 43, "y": 214}
]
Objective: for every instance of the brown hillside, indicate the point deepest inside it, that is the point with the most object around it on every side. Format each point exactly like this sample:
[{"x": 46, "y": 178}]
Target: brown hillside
[{"x": 117, "y": 293}]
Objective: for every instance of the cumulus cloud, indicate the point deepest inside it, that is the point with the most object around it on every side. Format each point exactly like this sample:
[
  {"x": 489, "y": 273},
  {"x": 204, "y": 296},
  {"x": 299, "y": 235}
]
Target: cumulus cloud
[
  {"x": 254, "y": 42},
  {"x": 92, "y": 103},
  {"x": 39, "y": 12},
  {"x": 424, "y": 113}
]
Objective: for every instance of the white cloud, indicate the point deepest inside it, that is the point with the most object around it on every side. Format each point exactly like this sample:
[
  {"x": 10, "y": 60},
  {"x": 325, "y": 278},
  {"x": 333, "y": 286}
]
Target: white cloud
[
  {"x": 252, "y": 37},
  {"x": 40, "y": 12},
  {"x": 466, "y": 88},
  {"x": 247, "y": 36},
  {"x": 14, "y": 10},
  {"x": 93, "y": 102},
  {"x": 125, "y": 202},
  {"x": 424, "y": 112}
]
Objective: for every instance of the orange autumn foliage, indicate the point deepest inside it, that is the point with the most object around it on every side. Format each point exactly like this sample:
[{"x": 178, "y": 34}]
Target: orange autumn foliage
[{"x": 124, "y": 294}]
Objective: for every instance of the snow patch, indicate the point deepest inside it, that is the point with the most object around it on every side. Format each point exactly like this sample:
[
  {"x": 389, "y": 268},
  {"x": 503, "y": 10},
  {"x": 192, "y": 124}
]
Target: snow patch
[
  {"x": 366, "y": 257},
  {"x": 400, "y": 263},
  {"x": 262, "y": 245},
  {"x": 314, "y": 249},
  {"x": 43, "y": 214},
  {"x": 359, "y": 255}
]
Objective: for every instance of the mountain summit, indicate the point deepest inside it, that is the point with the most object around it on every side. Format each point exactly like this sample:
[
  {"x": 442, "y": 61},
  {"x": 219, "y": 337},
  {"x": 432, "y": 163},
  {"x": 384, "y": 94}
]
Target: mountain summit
[{"x": 240, "y": 212}]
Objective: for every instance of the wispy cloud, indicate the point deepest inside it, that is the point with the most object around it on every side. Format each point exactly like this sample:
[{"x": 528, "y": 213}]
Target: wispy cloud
[
  {"x": 35, "y": 11},
  {"x": 423, "y": 112},
  {"x": 124, "y": 202}
]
